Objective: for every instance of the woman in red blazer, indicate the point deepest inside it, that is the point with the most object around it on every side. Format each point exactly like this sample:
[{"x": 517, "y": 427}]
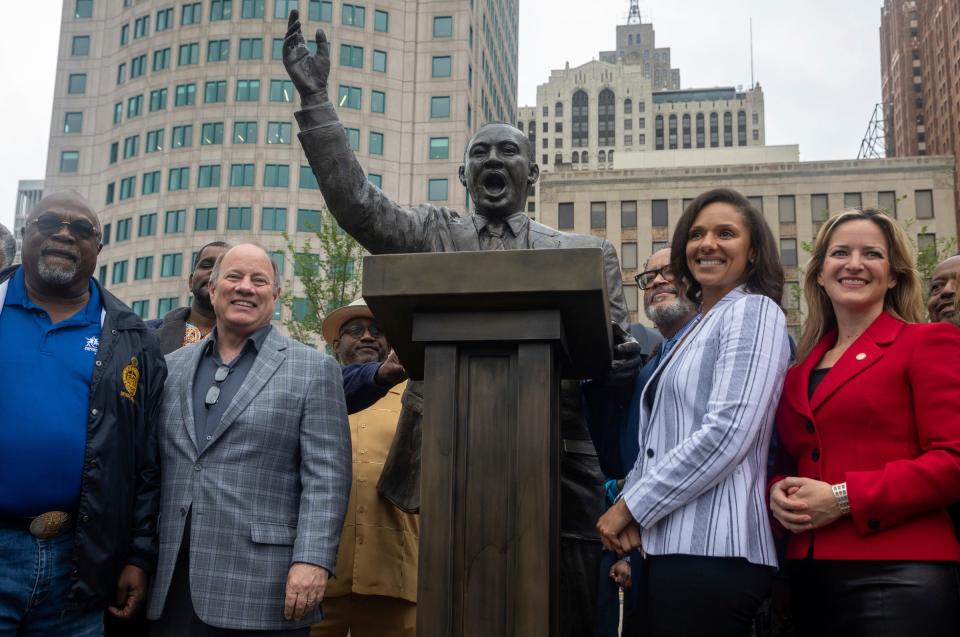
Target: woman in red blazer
[{"x": 869, "y": 423}]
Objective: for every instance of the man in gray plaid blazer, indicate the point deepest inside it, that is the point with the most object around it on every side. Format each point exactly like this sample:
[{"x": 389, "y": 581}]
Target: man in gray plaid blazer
[{"x": 256, "y": 463}]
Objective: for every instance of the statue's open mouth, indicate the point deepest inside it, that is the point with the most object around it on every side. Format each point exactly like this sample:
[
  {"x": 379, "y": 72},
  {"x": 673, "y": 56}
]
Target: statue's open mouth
[{"x": 494, "y": 183}]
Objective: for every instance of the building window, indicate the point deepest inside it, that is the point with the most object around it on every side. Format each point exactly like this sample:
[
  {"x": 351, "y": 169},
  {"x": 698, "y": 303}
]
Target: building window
[
  {"x": 852, "y": 200},
  {"x": 381, "y": 21},
  {"x": 376, "y": 143},
  {"x": 190, "y": 14},
  {"x": 166, "y": 305},
  {"x": 151, "y": 185},
  {"x": 628, "y": 256},
  {"x": 672, "y": 132},
  {"x": 378, "y": 101},
  {"x": 211, "y": 134},
  {"x": 121, "y": 73},
  {"x": 188, "y": 54},
  {"x": 244, "y": 132},
  {"x": 147, "y": 225},
  {"x": 927, "y": 243},
  {"x": 174, "y": 221},
  {"x": 440, "y": 106},
  {"x": 279, "y": 132},
  {"x": 124, "y": 34},
  {"x": 349, "y": 97},
  {"x": 171, "y": 265},
  {"x": 251, "y": 9},
  {"x": 141, "y": 27},
  {"x": 83, "y": 9},
  {"x": 787, "y": 208},
  {"x": 164, "y": 19},
  {"x": 134, "y": 106},
  {"x": 73, "y": 123},
  {"x": 308, "y": 220},
  {"x": 308, "y": 180},
  {"x": 441, "y": 65},
  {"x": 111, "y": 187},
  {"x": 185, "y": 95},
  {"x": 924, "y": 203},
  {"x": 819, "y": 207},
  {"x": 114, "y": 147},
  {"x": 788, "y": 252},
  {"x": 141, "y": 308},
  {"x": 178, "y": 178},
  {"x": 251, "y": 48},
  {"x": 659, "y": 213},
  {"x": 69, "y": 161},
  {"x": 598, "y": 214},
  {"x": 282, "y": 8},
  {"x": 353, "y": 15},
  {"x": 741, "y": 128},
  {"x": 128, "y": 188},
  {"x": 241, "y": 175},
  {"x": 274, "y": 219},
  {"x": 248, "y": 91},
  {"x": 580, "y": 127},
  {"x": 215, "y": 92},
  {"x": 205, "y": 219},
  {"x": 221, "y": 10},
  {"x": 443, "y": 26},
  {"x": 281, "y": 91},
  {"x": 158, "y": 100},
  {"x": 437, "y": 190},
  {"x": 77, "y": 84},
  {"x": 239, "y": 218},
  {"x": 439, "y": 148},
  {"x": 182, "y": 136},
  {"x": 658, "y": 132},
  {"x": 218, "y": 50},
  {"x": 628, "y": 214},
  {"x": 351, "y": 55},
  {"x": 276, "y": 176},
  {"x": 353, "y": 138},
  {"x": 728, "y": 129},
  {"x": 208, "y": 176},
  {"x": 154, "y": 141},
  {"x": 80, "y": 47},
  {"x": 887, "y": 201},
  {"x": 565, "y": 216},
  {"x": 375, "y": 179},
  {"x": 161, "y": 59},
  {"x": 627, "y": 106},
  {"x": 143, "y": 268},
  {"x": 119, "y": 272},
  {"x": 138, "y": 66}
]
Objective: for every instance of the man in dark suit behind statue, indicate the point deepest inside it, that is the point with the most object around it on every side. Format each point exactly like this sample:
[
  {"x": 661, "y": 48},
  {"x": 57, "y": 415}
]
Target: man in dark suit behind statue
[{"x": 497, "y": 172}]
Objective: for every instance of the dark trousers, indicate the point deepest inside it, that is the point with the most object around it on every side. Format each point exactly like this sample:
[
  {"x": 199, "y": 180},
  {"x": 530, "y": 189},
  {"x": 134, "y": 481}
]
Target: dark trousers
[
  {"x": 578, "y": 587},
  {"x": 608, "y": 597},
  {"x": 853, "y": 598},
  {"x": 690, "y": 596}
]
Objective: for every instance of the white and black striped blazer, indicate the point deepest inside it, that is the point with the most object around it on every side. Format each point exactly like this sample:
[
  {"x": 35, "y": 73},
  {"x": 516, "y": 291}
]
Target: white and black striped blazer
[{"x": 699, "y": 484}]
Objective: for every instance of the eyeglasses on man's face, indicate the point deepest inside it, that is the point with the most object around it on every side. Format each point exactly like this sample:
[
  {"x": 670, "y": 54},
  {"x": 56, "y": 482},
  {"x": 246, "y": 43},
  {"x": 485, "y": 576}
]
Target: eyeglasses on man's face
[
  {"x": 49, "y": 224},
  {"x": 356, "y": 330},
  {"x": 645, "y": 279}
]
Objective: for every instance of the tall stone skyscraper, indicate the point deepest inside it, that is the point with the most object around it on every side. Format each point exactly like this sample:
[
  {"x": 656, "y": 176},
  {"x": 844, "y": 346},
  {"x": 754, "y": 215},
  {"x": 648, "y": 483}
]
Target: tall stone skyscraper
[{"x": 175, "y": 119}]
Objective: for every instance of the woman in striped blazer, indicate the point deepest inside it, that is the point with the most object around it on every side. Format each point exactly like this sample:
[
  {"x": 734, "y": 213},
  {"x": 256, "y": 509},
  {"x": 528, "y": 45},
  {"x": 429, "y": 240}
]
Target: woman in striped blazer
[{"x": 695, "y": 499}]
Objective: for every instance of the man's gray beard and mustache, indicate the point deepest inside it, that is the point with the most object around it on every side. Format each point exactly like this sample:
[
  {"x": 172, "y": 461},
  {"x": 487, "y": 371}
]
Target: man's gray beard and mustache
[
  {"x": 57, "y": 275},
  {"x": 671, "y": 313}
]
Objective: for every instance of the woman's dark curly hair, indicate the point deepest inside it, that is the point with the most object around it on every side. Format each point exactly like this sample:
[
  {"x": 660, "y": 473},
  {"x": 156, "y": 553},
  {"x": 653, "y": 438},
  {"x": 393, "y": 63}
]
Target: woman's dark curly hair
[{"x": 764, "y": 272}]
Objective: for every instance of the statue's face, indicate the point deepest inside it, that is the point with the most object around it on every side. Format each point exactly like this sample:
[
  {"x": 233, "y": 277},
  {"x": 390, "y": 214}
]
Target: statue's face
[{"x": 497, "y": 171}]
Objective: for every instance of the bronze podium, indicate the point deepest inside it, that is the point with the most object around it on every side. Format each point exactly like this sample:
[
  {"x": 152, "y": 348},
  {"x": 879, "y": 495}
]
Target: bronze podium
[{"x": 491, "y": 334}]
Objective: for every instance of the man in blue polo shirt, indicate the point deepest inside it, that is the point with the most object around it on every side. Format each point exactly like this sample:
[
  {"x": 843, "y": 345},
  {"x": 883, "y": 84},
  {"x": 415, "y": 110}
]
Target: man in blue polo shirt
[{"x": 81, "y": 378}]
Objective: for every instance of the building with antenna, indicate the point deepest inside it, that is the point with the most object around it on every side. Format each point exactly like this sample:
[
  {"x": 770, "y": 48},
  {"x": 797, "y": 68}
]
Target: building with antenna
[{"x": 636, "y": 47}]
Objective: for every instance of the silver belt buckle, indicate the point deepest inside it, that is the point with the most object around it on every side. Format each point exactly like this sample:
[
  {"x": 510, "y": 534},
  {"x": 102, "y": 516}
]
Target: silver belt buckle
[{"x": 49, "y": 525}]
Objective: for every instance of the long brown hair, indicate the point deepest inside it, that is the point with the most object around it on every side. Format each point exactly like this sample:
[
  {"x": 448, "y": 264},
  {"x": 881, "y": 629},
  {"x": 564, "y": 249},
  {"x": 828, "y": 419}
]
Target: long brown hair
[
  {"x": 764, "y": 274},
  {"x": 904, "y": 300}
]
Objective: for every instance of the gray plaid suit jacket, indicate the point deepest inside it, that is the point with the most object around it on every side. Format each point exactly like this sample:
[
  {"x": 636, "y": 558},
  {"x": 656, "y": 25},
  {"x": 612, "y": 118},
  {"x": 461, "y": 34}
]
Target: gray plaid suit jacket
[{"x": 269, "y": 489}]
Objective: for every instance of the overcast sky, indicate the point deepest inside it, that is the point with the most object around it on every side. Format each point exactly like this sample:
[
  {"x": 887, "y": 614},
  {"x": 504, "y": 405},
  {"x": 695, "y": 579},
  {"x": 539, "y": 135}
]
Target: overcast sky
[{"x": 817, "y": 60}]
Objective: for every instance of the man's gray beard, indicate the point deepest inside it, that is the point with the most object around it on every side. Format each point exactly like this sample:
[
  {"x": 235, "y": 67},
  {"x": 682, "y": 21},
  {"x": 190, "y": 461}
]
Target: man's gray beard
[
  {"x": 56, "y": 275},
  {"x": 671, "y": 314}
]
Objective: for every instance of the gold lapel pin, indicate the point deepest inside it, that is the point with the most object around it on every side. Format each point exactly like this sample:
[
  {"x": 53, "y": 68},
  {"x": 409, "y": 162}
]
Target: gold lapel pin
[{"x": 861, "y": 356}]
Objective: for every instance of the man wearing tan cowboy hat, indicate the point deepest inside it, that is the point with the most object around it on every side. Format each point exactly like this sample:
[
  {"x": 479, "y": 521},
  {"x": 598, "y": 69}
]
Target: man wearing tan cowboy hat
[{"x": 375, "y": 591}]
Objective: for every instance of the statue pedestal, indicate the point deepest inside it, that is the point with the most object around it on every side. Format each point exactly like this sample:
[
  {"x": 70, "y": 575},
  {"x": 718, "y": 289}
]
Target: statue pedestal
[{"x": 491, "y": 334}]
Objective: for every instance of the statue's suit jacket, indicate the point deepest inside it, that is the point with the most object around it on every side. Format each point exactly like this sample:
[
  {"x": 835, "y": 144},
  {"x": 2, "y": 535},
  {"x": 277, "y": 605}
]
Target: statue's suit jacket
[
  {"x": 383, "y": 227},
  {"x": 269, "y": 489}
]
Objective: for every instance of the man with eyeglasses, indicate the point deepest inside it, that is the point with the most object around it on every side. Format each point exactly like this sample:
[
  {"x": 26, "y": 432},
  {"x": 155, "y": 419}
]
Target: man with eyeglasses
[
  {"x": 255, "y": 451},
  {"x": 375, "y": 592},
  {"x": 82, "y": 380}
]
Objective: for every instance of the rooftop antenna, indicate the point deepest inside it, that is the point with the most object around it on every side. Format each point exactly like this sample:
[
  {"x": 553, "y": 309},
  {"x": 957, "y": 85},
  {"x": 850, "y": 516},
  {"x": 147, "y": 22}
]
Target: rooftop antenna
[
  {"x": 634, "y": 16},
  {"x": 752, "y": 83}
]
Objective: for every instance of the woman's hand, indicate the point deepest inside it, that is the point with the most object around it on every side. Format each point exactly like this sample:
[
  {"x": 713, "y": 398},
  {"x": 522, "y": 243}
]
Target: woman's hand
[
  {"x": 618, "y": 530},
  {"x": 803, "y": 504}
]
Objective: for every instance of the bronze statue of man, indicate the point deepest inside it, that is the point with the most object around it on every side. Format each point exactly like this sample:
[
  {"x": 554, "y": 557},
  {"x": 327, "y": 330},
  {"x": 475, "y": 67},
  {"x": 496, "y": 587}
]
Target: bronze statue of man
[
  {"x": 8, "y": 247},
  {"x": 497, "y": 173}
]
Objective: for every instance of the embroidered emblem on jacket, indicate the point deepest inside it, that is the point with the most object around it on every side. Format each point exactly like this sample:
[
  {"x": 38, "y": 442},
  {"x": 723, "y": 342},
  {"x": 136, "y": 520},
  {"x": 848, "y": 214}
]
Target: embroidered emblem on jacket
[
  {"x": 92, "y": 344},
  {"x": 131, "y": 378}
]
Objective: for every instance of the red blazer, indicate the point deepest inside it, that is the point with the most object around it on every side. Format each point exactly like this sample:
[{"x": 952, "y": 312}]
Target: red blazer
[{"x": 885, "y": 420}]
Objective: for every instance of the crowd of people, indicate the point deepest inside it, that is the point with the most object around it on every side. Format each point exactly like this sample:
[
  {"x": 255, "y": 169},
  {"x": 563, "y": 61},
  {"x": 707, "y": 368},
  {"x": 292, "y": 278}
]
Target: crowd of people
[{"x": 205, "y": 475}]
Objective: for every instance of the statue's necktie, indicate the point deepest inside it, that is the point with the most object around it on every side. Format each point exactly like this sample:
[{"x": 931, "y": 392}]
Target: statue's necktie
[{"x": 492, "y": 236}]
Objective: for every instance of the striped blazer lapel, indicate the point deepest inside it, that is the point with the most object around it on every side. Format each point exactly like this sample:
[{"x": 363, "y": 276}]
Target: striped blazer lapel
[{"x": 269, "y": 359}]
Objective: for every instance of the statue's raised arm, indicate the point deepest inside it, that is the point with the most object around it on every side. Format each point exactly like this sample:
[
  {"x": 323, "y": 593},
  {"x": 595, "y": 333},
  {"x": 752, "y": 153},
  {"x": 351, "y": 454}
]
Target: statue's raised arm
[{"x": 308, "y": 72}]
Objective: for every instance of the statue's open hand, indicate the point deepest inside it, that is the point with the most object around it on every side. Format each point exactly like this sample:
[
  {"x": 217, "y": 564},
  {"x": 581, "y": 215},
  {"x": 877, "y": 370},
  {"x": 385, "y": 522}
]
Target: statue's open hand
[{"x": 308, "y": 72}]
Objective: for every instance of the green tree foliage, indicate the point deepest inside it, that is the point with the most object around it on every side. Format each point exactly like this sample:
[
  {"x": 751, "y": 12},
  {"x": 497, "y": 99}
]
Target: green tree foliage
[{"x": 330, "y": 274}]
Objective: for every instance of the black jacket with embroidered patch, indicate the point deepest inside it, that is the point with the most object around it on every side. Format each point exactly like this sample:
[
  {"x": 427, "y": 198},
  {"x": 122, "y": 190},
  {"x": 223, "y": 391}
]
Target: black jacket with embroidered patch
[{"x": 116, "y": 517}]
